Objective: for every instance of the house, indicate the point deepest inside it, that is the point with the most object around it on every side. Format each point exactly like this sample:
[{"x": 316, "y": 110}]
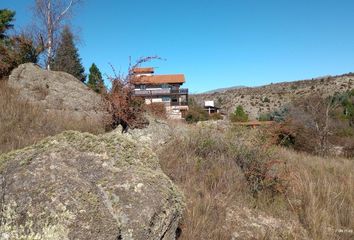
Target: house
[
  {"x": 210, "y": 107},
  {"x": 164, "y": 89}
]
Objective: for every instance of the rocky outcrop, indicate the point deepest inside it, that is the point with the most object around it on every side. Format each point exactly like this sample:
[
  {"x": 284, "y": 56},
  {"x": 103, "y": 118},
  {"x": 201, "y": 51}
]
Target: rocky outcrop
[
  {"x": 80, "y": 186},
  {"x": 57, "y": 92}
]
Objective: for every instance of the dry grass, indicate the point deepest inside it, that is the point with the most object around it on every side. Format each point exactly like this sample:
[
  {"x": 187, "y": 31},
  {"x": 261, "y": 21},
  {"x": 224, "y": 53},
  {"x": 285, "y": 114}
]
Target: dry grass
[
  {"x": 219, "y": 170},
  {"x": 22, "y": 124},
  {"x": 216, "y": 170},
  {"x": 322, "y": 194}
]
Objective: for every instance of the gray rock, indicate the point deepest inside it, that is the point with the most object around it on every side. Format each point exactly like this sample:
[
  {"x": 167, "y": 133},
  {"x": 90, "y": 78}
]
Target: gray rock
[
  {"x": 80, "y": 186},
  {"x": 57, "y": 92}
]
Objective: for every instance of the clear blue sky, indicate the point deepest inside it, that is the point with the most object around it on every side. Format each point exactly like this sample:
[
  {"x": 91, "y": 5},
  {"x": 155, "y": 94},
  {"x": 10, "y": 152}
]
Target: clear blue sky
[{"x": 216, "y": 43}]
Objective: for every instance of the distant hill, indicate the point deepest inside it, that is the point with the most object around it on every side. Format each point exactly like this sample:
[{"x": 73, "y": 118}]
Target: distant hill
[
  {"x": 220, "y": 90},
  {"x": 263, "y": 99}
]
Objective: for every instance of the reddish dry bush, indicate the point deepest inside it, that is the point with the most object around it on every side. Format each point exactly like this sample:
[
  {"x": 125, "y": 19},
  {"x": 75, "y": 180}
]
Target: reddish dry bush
[
  {"x": 157, "y": 110},
  {"x": 125, "y": 108}
]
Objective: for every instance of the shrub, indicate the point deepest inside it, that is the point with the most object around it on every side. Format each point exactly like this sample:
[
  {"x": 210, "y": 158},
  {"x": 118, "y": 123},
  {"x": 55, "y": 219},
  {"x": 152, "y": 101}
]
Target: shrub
[
  {"x": 239, "y": 115},
  {"x": 266, "y": 100},
  {"x": 125, "y": 108},
  {"x": 215, "y": 116},
  {"x": 265, "y": 117},
  {"x": 317, "y": 124},
  {"x": 157, "y": 110},
  {"x": 215, "y": 170},
  {"x": 196, "y": 114},
  {"x": 15, "y": 51}
]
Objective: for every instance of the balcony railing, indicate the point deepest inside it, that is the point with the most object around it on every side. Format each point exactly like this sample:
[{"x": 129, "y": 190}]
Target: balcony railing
[
  {"x": 179, "y": 91},
  {"x": 179, "y": 104},
  {"x": 156, "y": 92}
]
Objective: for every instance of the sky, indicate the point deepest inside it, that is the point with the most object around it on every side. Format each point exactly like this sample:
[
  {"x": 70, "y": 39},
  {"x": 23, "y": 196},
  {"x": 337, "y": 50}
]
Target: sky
[{"x": 215, "y": 43}]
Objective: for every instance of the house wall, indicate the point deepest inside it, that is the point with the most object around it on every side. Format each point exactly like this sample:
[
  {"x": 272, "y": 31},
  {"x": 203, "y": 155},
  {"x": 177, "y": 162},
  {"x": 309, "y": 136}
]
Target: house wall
[{"x": 173, "y": 112}]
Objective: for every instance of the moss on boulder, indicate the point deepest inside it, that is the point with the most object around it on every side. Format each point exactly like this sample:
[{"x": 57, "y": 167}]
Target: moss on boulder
[{"x": 81, "y": 186}]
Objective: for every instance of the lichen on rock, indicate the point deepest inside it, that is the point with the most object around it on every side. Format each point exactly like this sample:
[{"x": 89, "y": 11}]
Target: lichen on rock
[{"x": 81, "y": 186}]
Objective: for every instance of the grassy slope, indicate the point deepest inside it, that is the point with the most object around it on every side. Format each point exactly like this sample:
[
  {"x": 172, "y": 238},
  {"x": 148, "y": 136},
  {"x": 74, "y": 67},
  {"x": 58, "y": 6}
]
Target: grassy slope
[{"x": 310, "y": 197}]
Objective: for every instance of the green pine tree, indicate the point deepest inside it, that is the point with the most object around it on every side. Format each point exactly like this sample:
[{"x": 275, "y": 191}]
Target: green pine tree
[
  {"x": 67, "y": 58},
  {"x": 239, "y": 115},
  {"x": 95, "y": 81},
  {"x": 6, "y": 17}
]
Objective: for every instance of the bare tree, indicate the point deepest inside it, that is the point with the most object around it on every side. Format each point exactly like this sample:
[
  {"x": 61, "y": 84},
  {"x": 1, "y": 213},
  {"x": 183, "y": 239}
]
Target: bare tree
[
  {"x": 51, "y": 15},
  {"x": 312, "y": 122}
]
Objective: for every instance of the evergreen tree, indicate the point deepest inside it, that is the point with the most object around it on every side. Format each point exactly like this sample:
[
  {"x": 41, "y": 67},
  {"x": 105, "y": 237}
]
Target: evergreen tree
[
  {"x": 67, "y": 58},
  {"x": 239, "y": 115},
  {"x": 6, "y": 17},
  {"x": 95, "y": 81}
]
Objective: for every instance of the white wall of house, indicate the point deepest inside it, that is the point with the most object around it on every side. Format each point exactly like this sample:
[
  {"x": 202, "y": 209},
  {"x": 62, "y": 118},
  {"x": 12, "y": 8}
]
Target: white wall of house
[{"x": 153, "y": 100}]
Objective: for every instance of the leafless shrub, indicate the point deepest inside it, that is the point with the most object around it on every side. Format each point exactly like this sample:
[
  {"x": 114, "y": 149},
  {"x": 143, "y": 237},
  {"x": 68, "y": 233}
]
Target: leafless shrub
[
  {"x": 125, "y": 108},
  {"x": 156, "y": 109}
]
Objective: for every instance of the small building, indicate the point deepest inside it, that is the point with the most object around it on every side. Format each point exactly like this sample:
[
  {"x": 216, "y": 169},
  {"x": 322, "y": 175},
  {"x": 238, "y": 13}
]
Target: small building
[
  {"x": 164, "y": 89},
  {"x": 210, "y": 107}
]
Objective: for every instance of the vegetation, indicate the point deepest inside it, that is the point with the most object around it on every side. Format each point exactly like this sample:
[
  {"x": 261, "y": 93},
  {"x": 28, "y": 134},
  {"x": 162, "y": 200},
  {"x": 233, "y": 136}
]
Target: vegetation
[
  {"x": 16, "y": 49},
  {"x": 239, "y": 115},
  {"x": 50, "y": 16},
  {"x": 195, "y": 113},
  {"x": 318, "y": 125},
  {"x": 95, "y": 80},
  {"x": 214, "y": 169},
  {"x": 265, "y": 117},
  {"x": 67, "y": 57},
  {"x": 157, "y": 110},
  {"x": 221, "y": 170},
  {"x": 125, "y": 108},
  {"x": 6, "y": 18}
]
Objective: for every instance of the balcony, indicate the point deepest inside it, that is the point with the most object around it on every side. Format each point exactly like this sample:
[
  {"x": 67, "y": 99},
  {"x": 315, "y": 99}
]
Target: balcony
[
  {"x": 179, "y": 91},
  {"x": 178, "y": 104},
  {"x": 161, "y": 92}
]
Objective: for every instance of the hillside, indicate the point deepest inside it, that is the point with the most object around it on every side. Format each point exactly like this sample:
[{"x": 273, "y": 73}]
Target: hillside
[{"x": 264, "y": 99}]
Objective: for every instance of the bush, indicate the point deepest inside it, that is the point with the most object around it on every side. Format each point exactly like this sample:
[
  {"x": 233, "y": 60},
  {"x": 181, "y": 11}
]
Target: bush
[
  {"x": 317, "y": 125},
  {"x": 239, "y": 115},
  {"x": 266, "y": 100},
  {"x": 15, "y": 51},
  {"x": 196, "y": 114},
  {"x": 215, "y": 170},
  {"x": 215, "y": 116},
  {"x": 265, "y": 117},
  {"x": 156, "y": 109}
]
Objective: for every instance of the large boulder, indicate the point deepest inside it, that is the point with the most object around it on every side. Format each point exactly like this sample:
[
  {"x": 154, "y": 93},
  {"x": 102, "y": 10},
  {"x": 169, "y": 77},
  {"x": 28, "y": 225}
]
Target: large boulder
[
  {"x": 81, "y": 186},
  {"x": 57, "y": 92}
]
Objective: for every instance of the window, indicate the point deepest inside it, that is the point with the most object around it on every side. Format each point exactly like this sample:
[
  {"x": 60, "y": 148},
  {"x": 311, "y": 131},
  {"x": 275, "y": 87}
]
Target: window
[
  {"x": 142, "y": 87},
  {"x": 165, "y": 86},
  {"x": 165, "y": 99}
]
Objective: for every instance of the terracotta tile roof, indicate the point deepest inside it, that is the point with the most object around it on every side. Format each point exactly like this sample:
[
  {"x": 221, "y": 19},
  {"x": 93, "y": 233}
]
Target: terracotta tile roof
[
  {"x": 143, "y": 70},
  {"x": 159, "y": 79}
]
